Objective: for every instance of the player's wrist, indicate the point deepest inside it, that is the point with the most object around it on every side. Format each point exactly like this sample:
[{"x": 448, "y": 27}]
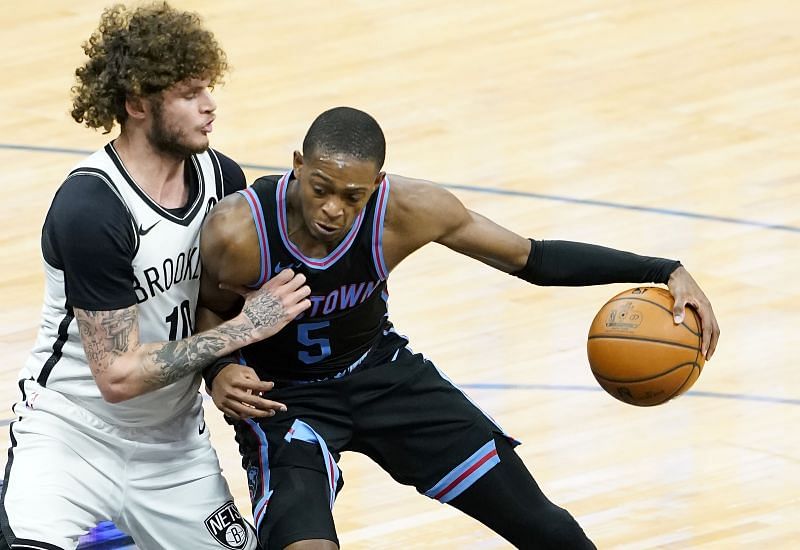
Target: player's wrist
[
  {"x": 240, "y": 332},
  {"x": 211, "y": 371},
  {"x": 676, "y": 273}
]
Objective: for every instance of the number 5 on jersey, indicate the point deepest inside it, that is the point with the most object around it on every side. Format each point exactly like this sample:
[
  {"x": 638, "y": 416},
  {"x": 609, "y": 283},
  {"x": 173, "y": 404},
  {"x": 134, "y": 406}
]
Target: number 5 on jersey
[{"x": 319, "y": 346}]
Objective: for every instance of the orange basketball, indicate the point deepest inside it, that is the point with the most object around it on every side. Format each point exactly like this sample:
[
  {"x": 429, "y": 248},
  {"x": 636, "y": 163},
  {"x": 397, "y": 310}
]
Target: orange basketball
[{"x": 636, "y": 351}]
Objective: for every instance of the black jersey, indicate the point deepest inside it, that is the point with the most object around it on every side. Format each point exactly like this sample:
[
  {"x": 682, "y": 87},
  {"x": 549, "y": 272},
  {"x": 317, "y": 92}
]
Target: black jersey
[{"x": 348, "y": 313}]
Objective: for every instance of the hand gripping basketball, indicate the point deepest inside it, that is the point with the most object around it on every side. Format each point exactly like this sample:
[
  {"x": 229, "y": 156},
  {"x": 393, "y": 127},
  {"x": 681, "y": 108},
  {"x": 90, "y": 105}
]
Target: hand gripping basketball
[
  {"x": 686, "y": 291},
  {"x": 638, "y": 353}
]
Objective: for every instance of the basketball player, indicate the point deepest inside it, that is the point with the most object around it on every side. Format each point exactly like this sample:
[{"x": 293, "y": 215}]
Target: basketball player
[
  {"x": 348, "y": 380},
  {"x": 110, "y": 423}
]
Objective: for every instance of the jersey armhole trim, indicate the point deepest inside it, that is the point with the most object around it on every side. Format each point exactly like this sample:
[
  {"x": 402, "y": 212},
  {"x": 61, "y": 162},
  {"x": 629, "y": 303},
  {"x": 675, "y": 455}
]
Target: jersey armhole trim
[
  {"x": 377, "y": 230},
  {"x": 261, "y": 230},
  {"x": 220, "y": 182}
]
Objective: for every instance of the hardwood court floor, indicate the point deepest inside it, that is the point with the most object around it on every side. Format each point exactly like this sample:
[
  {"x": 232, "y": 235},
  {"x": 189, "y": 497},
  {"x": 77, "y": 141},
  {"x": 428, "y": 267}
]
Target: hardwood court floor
[{"x": 665, "y": 128}]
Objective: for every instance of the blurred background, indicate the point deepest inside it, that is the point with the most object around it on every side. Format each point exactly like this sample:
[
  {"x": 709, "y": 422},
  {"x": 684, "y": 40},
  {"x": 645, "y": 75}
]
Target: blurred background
[{"x": 661, "y": 127}]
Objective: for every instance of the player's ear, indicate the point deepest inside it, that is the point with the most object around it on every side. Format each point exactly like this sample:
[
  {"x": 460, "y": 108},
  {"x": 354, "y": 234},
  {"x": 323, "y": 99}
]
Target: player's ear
[
  {"x": 135, "y": 107},
  {"x": 297, "y": 164}
]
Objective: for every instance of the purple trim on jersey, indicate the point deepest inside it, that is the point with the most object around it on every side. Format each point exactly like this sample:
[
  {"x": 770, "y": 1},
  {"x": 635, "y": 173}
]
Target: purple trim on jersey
[
  {"x": 261, "y": 231},
  {"x": 377, "y": 229},
  {"x": 302, "y": 431},
  {"x": 283, "y": 231},
  {"x": 465, "y": 474},
  {"x": 260, "y": 507}
]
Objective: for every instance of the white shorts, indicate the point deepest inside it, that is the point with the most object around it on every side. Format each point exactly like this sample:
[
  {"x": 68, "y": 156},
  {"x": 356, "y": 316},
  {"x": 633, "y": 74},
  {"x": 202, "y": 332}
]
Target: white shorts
[{"x": 68, "y": 470}]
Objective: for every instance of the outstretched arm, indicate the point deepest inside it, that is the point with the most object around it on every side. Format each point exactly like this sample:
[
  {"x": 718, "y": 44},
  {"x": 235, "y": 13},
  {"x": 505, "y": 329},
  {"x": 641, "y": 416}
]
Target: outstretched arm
[{"x": 422, "y": 212}]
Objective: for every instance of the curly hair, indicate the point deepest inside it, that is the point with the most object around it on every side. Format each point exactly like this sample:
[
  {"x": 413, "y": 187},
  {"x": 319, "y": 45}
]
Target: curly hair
[{"x": 141, "y": 53}]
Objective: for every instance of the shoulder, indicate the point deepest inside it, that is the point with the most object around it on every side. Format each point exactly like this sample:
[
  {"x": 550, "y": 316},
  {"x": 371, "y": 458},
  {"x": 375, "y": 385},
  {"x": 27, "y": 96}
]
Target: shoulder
[
  {"x": 228, "y": 240},
  {"x": 86, "y": 180},
  {"x": 412, "y": 201},
  {"x": 417, "y": 192},
  {"x": 87, "y": 197},
  {"x": 86, "y": 218},
  {"x": 228, "y": 217}
]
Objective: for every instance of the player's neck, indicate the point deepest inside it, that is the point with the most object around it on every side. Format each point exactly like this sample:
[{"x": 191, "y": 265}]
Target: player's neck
[{"x": 158, "y": 174}]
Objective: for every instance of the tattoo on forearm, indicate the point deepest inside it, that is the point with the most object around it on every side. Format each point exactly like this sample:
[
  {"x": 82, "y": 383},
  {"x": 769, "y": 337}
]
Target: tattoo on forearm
[
  {"x": 236, "y": 333},
  {"x": 174, "y": 360},
  {"x": 109, "y": 334}
]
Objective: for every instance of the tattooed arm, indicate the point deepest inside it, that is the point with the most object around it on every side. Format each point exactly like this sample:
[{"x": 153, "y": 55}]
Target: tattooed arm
[{"x": 124, "y": 368}]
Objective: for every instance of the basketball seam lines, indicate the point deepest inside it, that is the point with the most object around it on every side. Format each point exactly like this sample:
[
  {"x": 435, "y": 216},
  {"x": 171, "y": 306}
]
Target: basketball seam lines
[
  {"x": 642, "y": 339},
  {"x": 680, "y": 388},
  {"x": 697, "y": 355},
  {"x": 659, "y": 375}
]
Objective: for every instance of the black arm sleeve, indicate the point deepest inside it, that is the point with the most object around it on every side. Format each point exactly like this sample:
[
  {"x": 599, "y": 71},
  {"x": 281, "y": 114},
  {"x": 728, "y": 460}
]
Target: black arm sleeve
[
  {"x": 566, "y": 263},
  {"x": 232, "y": 175},
  {"x": 212, "y": 370},
  {"x": 88, "y": 234}
]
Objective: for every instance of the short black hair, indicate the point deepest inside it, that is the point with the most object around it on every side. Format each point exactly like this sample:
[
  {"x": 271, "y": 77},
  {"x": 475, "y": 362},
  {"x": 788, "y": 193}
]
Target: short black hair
[{"x": 348, "y": 131}]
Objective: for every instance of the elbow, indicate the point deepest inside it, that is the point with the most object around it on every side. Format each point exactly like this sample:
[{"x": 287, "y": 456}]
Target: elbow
[
  {"x": 118, "y": 381},
  {"x": 113, "y": 397},
  {"x": 116, "y": 391},
  {"x": 114, "y": 394}
]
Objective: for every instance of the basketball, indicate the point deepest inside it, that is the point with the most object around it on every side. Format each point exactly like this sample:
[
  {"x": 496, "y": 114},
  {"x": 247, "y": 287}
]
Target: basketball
[{"x": 636, "y": 351}]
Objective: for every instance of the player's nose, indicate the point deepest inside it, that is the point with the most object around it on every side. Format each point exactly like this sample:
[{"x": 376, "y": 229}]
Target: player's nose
[
  {"x": 208, "y": 104},
  {"x": 332, "y": 208}
]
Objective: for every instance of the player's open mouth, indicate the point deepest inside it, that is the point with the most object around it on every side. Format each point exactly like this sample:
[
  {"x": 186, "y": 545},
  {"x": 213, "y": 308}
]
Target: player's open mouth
[
  {"x": 209, "y": 127},
  {"x": 327, "y": 229}
]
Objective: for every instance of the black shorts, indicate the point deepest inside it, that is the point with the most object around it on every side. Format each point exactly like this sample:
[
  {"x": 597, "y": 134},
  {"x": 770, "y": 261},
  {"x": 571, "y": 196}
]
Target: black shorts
[{"x": 404, "y": 414}]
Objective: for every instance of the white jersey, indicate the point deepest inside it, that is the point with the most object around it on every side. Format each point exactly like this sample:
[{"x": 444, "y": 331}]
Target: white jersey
[{"x": 163, "y": 248}]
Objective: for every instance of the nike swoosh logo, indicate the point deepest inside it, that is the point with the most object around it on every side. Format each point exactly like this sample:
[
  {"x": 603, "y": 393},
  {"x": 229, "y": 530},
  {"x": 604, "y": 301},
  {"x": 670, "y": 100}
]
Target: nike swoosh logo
[
  {"x": 143, "y": 231},
  {"x": 279, "y": 267}
]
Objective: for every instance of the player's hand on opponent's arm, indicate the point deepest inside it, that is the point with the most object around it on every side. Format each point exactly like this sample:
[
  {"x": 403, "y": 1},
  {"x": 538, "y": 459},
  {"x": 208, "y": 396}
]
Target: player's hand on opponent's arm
[
  {"x": 271, "y": 307},
  {"x": 686, "y": 291},
  {"x": 237, "y": 391}
]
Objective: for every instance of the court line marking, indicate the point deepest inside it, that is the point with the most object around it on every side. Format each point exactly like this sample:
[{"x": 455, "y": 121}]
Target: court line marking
[
  {"x": 493, "y": 191},
  {"x": 526, "y": 194},
  {"x": 578, "y": 388},
  {"x": 592, "y": 389}
]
